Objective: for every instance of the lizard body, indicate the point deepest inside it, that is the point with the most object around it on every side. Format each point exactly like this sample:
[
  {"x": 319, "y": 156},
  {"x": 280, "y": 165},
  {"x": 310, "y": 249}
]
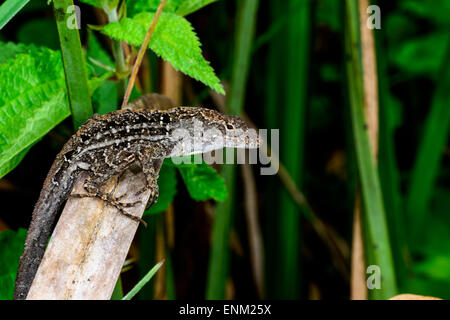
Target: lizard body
[{"x": 106, "y": 146}]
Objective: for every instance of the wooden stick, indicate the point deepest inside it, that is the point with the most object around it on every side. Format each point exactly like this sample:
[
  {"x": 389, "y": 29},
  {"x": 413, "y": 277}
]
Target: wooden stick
[
  {"x": 89, "y": 244},
  {"x": 90, "y": 241}
]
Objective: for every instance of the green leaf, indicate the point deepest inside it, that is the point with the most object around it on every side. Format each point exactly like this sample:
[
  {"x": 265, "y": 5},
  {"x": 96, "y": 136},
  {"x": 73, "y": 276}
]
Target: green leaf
[
  {"x": 377, "y": 243},
  {"x": 104, "y": 99},
  {"x": 180, "y": 7},
  {"x": 202, "y": 181},
  {"x": 32, "y": 101},
  {"x": 167, "y": 183},
  {"x": 436, "y": 267},
  {"x": 189, "y": 6},
  {"x": 74, "y": 65},
  {"x": 9, "y": 50},
  {"x": 103, "y": 4},
  {"x": 14, "y": 162},
  {"x": 422, "y": 55},
  {"x": 11, "y": 247},
  {"x": 97, "y": 56},
  {"x": 143, "y": 281},
  {"x": 425, "y": 171},
  {"x": 95, "y": 82},
  {"x": 174, "y": 40},
  {"x": 400, "y": 26},
  {"x": 7, "y": 286},
  {"x": 434, "y": 10},
  {"x": 328, "y": 14},
  {"x": 9, "y": 9},
  {"x": 32, "y": 98},
  {"x": 137, "y": 6}
]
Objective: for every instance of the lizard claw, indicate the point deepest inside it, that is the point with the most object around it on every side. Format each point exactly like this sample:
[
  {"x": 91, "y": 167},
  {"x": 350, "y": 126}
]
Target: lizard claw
[{"x": 114, "y": 203}]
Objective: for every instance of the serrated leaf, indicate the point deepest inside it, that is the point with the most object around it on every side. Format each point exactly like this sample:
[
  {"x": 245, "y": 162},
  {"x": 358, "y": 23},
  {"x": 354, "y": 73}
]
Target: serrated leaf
[
  {"x": 174, "y": 40},
  {"x": 9, "y": 50},
  {"x": 167, "y": 183},
  {"x": 32, "y": 100},
  {"x": 137, "y": 6},
  {"x": 11, "y": 247},
  {"x": 189, "y": 6},
  {"x": 202, "y": 181}
]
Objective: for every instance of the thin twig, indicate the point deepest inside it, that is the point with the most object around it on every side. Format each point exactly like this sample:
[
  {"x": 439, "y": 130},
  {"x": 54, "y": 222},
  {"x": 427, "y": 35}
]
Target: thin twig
[
  {"x": 101, "y": 65},
  {"x": 142, "y": 50},
  {"x": 253, "y": 227}
]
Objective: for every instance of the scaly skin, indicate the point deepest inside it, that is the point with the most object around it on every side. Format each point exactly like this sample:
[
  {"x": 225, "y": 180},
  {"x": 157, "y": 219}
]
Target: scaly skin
[{"x": 106, "y": 146}]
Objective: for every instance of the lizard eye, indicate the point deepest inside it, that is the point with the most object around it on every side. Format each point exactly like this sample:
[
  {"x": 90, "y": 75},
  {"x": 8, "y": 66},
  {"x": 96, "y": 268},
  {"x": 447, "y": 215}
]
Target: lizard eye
[{"x": 229, "y": 126}]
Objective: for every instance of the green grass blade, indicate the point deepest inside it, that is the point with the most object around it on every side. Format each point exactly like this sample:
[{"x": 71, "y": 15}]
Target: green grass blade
[
  {"x": 170, "y": 277},
  {"x": 219, "y": 257},
  {"x": 273, "y": 98},
  {"x": 147, "y": 256},
  {"x": 143, "y": 281},
  {"x": 377, "y": 244},
  {"x": 430, "y": 152},
  {"x": 296, "y": 61},
  {"x": 9, "y": 9},
  {"x": 118, "y": 291},
  {"x": 387, "y": 166},
  {"x": 244, "y": 39},
  {"x": 74, "y": 66}
]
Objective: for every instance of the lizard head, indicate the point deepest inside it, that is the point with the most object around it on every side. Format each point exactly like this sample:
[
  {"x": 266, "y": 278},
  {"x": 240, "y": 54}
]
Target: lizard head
[{"x": 212, "y": 130}]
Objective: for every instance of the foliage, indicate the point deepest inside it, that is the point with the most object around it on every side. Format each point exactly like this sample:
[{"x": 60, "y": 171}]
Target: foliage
[
  {"x": 11, "y": 247},
  {"x": 285, "y": 65},
  {"x": 173, "y": 40},
  {"x": 9, "y": 9},
  {"x": 32, "y": 99}
]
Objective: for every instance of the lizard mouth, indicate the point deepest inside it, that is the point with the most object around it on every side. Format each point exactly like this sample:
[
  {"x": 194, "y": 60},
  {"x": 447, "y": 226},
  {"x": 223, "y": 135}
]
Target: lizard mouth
[{"x": 248, "y": 139}]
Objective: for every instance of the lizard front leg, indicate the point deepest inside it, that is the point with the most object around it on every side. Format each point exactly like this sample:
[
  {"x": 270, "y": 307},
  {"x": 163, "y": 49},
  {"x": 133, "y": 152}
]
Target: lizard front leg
[
  {"x": 98, "y": 176},
  {"x": 150, "y": 168}
]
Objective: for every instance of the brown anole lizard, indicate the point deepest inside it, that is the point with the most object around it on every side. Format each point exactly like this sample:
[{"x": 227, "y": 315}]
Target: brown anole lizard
[{"x": 106, "y": 146}]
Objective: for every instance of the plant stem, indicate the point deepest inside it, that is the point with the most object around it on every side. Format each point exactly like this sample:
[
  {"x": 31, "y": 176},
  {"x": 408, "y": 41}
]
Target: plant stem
[
  {"x": 74, "y": 66},
  {"x": 377, "y": 238},
  {"x": 119, "y": 58},
  {"x": 429, "y": 155},
  {"x": 389, "y": 173},
  {"x": 142, "y": 50},
  {"x": 296, "y": 60}
]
